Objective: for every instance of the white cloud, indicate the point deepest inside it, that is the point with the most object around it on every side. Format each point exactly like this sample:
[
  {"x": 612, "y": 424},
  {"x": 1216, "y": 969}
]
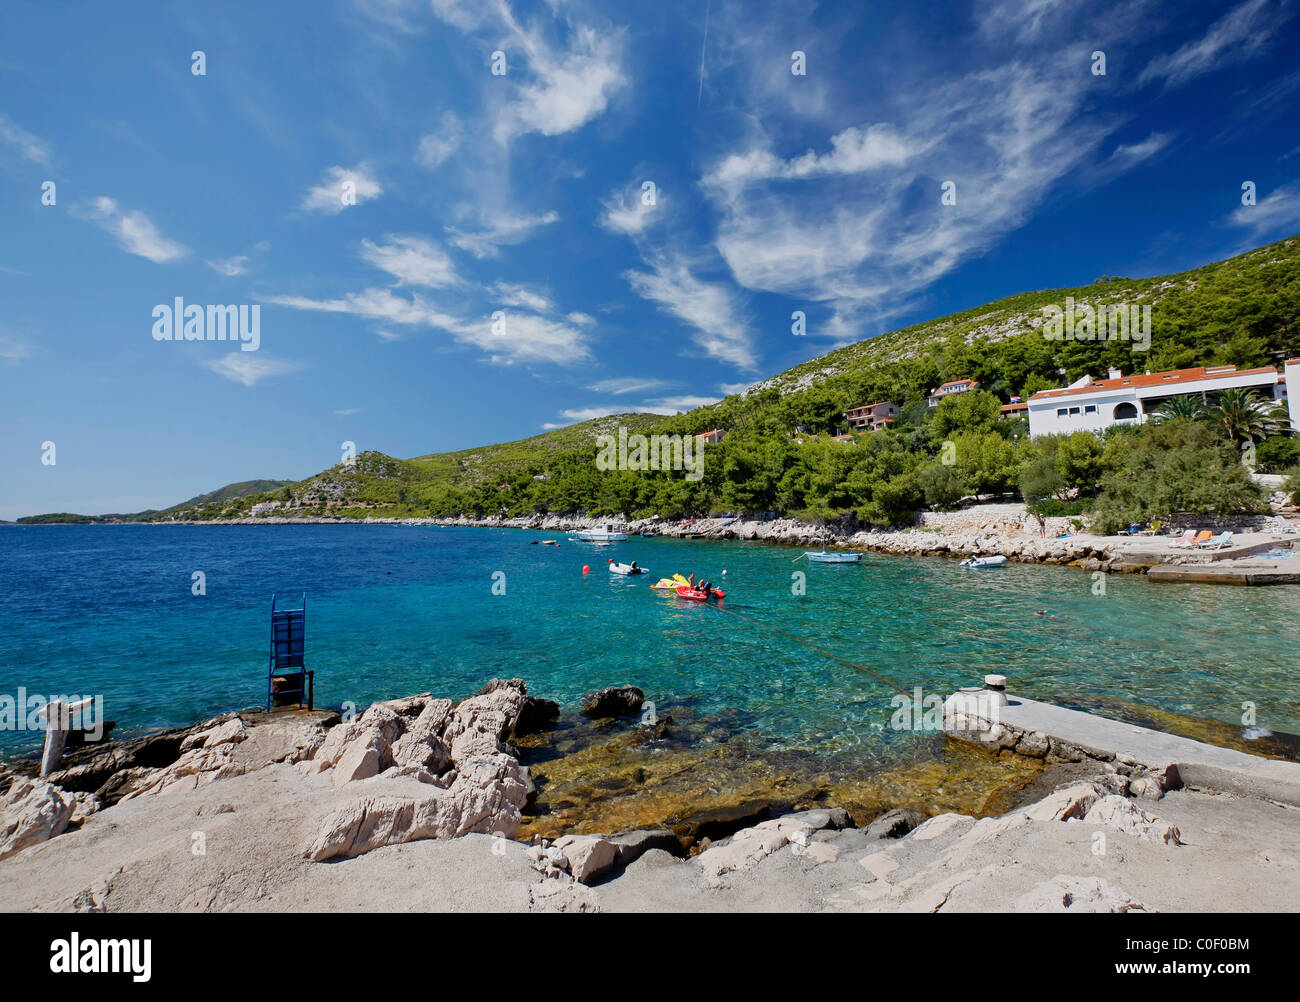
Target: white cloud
[
  {"x": 29, "y": 146},
  {"x": 230, "y": 266},
  {"x": 524, "y": 337},
  {"x": 1235, "y": 36},
  {"x": 729, "y": 389},
  {"x": 436, "y": 147},
  {"x": 1276, "y": 214},
  {"x": 628, "y": 212},
  {"x": 398, "y": 14},
  {"x": 631, "y": 384},
  {"x": 555, "y": 87},
  {"x": 832, "y": 227},
  {"x": 250, "y": 368},
  {"x": 853, "y": 151},
  {"x": 328, "y": 195},
  {"x": 12, "y": 352},
  {"x": 349, "y": 411},
  {"x": 134, "y": 231},
  {"x": 521, "y": 296},
  {"x": 713, "y": 309},
  {"x": 412, "y": 260},
  {"x": 1132, "y": 154},
  {"x": 501, "y": 229},
  {"x": 684, "y": 403}
]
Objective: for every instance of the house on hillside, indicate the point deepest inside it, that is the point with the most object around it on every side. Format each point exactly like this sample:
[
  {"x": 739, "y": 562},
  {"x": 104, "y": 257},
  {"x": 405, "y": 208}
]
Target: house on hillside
[
  {"x": 950, "y": 389},
  {"x": 872, "y": 417},
  {"x": 711, "y": 437},
  {"x": 1017, "y": 408},
  {"x": 262, "y": 507},
  {"x": 1094, "y": 405},
  {"x": 843, "y": 439}
]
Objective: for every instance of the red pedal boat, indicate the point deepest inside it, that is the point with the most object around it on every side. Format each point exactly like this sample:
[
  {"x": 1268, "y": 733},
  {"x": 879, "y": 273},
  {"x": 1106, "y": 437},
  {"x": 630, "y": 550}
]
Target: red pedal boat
[{"x": 698, "y": 596}]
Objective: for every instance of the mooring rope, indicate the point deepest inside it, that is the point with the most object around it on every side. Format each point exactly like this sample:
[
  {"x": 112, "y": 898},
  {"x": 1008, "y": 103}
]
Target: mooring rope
[{"x": 807, "y": 643}]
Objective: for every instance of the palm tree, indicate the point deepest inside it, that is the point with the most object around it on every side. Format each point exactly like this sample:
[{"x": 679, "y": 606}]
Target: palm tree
[
  {"x": 1185, "y": 408},
  {"x": 1244, "y": 415}
]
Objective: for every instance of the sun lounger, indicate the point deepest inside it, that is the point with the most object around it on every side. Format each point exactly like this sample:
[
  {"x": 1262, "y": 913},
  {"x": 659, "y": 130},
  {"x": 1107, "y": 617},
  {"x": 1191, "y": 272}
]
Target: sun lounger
[
  {"x": 1220, "y": 542},
  {"x": 1187, "y": 539}
]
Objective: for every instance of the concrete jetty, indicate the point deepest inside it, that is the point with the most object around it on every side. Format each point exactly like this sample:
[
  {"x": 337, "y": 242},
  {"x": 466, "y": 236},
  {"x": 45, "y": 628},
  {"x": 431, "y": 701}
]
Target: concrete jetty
[{"x": 1156, "y": 761}]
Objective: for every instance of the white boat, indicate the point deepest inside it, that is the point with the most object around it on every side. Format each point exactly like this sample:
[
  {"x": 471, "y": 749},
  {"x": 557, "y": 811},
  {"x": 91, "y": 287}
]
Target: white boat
[
  {"x": 616, "y": 568},
  {"x": 605, "y": 534},
  {"x": 833, "y": 557},
  {"x": 984, "y": 561}
]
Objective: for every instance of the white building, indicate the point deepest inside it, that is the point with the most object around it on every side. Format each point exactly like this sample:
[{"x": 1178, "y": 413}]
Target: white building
[
  {"x": 949, "y": 388},
  {"x": 1097, "y": 404},
  {"x": 1291, "y": 373}
]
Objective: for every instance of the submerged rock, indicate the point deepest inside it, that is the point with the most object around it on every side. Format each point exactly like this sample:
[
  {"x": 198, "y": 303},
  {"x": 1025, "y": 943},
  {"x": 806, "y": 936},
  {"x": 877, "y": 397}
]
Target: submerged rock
[{"x": 613, "y": 701}]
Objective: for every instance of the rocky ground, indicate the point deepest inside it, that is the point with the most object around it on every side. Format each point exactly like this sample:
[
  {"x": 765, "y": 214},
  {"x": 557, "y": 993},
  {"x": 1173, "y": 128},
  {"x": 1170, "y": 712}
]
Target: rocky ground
[{"x": 419, "y": 803}]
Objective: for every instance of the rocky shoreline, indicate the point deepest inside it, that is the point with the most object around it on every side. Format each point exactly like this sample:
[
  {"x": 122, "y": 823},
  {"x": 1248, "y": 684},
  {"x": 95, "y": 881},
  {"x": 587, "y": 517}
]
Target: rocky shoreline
[
  {"x": 1007, "y": 530},
  {"x": 250, "y": 811}
]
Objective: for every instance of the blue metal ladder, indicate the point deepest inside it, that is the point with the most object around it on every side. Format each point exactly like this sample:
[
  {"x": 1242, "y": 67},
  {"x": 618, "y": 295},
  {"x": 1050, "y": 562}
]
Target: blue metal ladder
[{"x": 288, "y": 679}]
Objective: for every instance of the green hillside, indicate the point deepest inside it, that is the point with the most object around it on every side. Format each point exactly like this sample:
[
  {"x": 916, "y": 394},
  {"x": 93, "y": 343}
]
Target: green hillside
[
  {"x": 193, "y": 508},
  {"x": 778, "y": 455}
]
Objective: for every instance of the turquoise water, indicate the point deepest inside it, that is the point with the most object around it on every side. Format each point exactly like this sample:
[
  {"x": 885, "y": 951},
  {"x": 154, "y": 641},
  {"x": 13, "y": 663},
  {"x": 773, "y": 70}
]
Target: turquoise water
[{"x": 394, "y": 610}]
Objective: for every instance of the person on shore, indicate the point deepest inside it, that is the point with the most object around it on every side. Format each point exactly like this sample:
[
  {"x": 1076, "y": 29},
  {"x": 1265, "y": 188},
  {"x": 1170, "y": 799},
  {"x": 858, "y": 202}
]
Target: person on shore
[{"x": 1042, "y": 524}]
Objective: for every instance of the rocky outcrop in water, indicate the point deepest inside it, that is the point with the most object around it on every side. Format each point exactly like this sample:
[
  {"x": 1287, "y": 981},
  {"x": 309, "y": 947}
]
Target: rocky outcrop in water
[{"x": 613, "y": 701}]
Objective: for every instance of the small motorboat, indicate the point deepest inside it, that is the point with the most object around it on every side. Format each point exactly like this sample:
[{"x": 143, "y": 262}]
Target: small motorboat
[
  {"x": 834, "y": 557},
  {"x": 605, "y": 534},
  {"x": 695, "y": 595},
  {"x": 616, "y": 568},
  {"x": 997, "y": 561}
]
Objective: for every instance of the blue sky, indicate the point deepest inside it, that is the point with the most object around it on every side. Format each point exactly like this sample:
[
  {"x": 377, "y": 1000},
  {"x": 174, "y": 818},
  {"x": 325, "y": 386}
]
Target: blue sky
[{"x": 522, "y": 192}]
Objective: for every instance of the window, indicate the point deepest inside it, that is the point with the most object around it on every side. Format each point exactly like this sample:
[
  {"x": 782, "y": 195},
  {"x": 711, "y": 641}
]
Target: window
[
  {"x": 1125, "y": 412},
  {"x": 1060, "y": 412},
  {"x": 1074, "y": 410},
  {"x": 1090, "y": 409}
]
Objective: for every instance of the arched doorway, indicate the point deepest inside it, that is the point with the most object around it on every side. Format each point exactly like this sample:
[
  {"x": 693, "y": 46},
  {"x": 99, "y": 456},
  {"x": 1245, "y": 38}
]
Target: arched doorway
[{"x": 1125, "y": 412}]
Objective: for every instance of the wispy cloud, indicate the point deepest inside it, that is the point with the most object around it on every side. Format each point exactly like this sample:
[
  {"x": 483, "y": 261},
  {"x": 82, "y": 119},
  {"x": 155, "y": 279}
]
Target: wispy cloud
[
  {"x": 231, "y": 267},
  {"x": 1235, "y": 36},
  {"x": 559, "y": 81},
  {"x": 1275, "y": 215},
  {"x": 435, "y": 148},
  {"x": 135, "y": 232},
  {"x": 498, "y": 230},
  {"x": 250, "y": 368},
  {"x": 12, "y": 352},
  {"x": 30, "y": 147},
  {"x": 518, "y": 337},
  {"x": 412, "y": 260},
  {"x": 630, "y": 210},
  {"x": 619, "y": 387},
  {"x": 1131, "y": 154},
  {"x": 339, "y": 186},
  {"x": 713, "y": 309},
  {"x": 349, "y": 411}
]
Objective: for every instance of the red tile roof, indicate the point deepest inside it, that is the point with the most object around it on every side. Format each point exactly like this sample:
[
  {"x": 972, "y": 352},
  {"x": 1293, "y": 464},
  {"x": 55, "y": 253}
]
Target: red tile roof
[{"x": 1157, "y": 379}]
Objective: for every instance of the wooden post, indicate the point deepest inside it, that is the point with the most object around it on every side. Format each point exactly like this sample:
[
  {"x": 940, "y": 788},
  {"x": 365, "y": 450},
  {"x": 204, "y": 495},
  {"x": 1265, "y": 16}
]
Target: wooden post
[{"x": 58, "y": 715}]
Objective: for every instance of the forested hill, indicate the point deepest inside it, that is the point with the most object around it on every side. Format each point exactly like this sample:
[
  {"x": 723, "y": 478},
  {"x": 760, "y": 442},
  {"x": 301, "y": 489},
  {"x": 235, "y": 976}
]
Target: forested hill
[{"x": 778, "y": 454}]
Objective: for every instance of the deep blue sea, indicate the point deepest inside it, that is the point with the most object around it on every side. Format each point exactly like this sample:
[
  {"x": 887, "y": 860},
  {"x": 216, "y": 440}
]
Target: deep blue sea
[{"x": 393, "y": 610}]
